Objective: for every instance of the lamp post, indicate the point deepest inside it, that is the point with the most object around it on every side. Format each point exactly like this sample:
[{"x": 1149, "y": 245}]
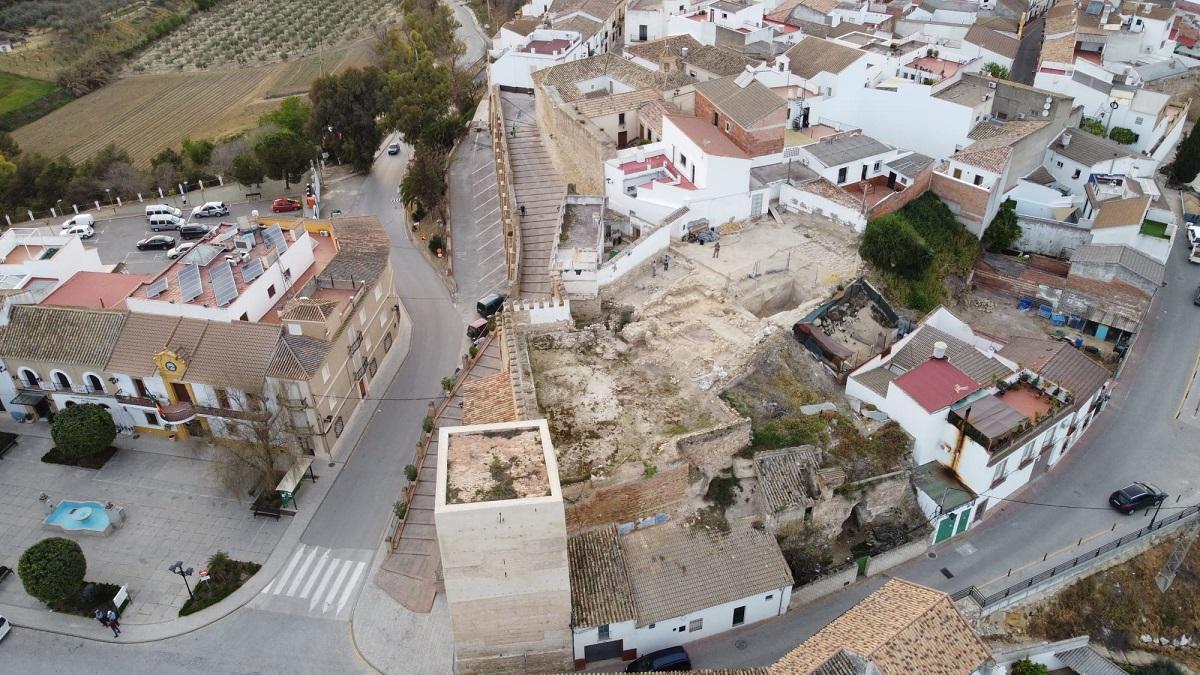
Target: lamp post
[
  {"x": 178, "y": 568},
  {"x": 1113, "y": 105}
]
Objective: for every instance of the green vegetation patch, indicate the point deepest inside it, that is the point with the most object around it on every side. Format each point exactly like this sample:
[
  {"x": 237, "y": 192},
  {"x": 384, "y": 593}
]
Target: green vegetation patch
[
  {"x": 18, "y": 92},
  {"x": 225, "y": 575},
  {"x": 1153, "y": 228}
]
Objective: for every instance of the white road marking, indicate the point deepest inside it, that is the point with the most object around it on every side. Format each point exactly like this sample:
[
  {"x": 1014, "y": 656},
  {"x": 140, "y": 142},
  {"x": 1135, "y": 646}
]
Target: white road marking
[
  {"x": 336, "y": 585},
  {"x": 321, "y": 586},
  {"x": 488, "y": 242},
  {"x": 303, "y": 570},
  {"x": 282, "y": 579},
  {"x": 358, "y": 570},
  {"x": 315, "y": 575}
]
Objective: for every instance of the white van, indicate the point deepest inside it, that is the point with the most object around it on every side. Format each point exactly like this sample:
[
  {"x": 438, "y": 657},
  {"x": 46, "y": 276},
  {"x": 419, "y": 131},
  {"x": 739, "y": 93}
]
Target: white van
[
  {"x": 162, "y": 210},
  {"x": 165, "y": 221},
  {"x": 79, "y": 226}
]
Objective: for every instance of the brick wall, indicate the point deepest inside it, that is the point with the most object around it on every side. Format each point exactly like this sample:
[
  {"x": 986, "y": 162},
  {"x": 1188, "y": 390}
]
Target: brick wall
[
  {"x": 762, "y": 141},
  {"x": 592, "y": 505},
  {"x": 899, "y": 200},
  {"x": 968, "y": 202}
]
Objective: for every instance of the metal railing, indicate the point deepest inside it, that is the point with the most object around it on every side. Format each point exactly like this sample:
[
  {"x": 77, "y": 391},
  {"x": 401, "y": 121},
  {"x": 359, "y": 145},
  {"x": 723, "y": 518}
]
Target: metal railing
[{"x": 1083, "y": 561}]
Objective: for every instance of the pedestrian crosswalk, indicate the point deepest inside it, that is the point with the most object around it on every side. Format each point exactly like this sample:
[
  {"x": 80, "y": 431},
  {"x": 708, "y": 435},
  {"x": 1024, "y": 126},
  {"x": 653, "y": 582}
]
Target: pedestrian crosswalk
[{"x": 316, "y": 581}]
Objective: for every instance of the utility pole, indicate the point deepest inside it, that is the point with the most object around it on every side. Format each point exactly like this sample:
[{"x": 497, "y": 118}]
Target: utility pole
[{"x": 1167, "y": 574}]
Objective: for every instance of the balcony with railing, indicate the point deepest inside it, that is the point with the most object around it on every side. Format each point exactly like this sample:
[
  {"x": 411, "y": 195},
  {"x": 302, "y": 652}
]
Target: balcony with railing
[{"x": 355, "y": 344}]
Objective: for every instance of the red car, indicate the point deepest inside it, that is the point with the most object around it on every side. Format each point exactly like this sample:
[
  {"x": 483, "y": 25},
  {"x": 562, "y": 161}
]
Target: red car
[{"x": 284, "y": 204}]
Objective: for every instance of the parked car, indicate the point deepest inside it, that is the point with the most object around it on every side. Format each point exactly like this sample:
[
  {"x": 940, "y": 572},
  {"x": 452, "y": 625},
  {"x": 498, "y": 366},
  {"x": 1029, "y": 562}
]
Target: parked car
[
  {"x": 162, "y": 210},
  {"x": 477, "y": 329},
  {"x": 671, "y": 659},
  {"x": 490, "y": 304},
  {"x": 180, "y": 250},
  {"x": 283, "y": 204},
  {"x": 160, "y": 242},
  {"x": 210, "y": 209},
  {"x": 165, "y": 221},
  {"x": 5, "y": 627},
  {"x": 81, "y": 231},
  {"x": 193, "y": 230},
  {"x": 1136, "y": 496},
  {"x": 394, "y": 149},
  {"x": 1196, "y": 298}
]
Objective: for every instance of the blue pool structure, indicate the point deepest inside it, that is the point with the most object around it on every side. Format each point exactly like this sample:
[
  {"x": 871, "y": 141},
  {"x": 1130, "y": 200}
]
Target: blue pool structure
[{"x": 85, "y": 517}]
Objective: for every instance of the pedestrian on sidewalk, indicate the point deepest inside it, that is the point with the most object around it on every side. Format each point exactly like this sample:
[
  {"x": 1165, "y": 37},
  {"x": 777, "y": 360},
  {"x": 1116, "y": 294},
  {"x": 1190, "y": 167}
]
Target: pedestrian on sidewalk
[
  {"x": 101, "y": 618},
  {"x": 717, "y": 250},
  {"x": 666, "y": 260},
  {"x": 653, "y": 268},
  {"x": 114, "y": 623},
  {"x": 522, "y": 207}
]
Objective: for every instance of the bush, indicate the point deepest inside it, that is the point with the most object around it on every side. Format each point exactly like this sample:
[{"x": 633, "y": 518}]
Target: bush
[
  {"x": 225, "y": 575},
  {"x": 891, "y": 243},
  {"x": 1027, "y": 667},
  {"x": 1092, "y": 126},
  {"x": 410, "y": 472},
  {"x": 82, "y": 430},
  {"x": 427, "y": 424},
  {"x": 1004, "y": 230},
  {"x": 721, "y": 491},
  {"x": 447, "y": 383},
  {"x": 436, "y": 243},
  {"x": 400, "y": 509},
  {"x": 1160, "y": 667},
  {"x": 52, "y": 569},
  {"x": 1123, "y": 136}
]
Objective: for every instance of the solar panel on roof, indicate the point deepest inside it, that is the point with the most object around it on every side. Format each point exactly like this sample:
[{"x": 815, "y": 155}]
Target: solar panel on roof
[
  {"x": 190, "y": 287},
  {"x": 157, "y": 288},
  {"x": 274, "y": 237},
  {"x": 224, "y": 288},
  {"x": 252, "y": 270}
]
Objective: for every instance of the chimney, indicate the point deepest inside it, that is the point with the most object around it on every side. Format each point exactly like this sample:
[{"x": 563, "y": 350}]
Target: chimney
[
  {"x": 1066, "y": 140},
  {"x": 939, "y": 350},
  {"x": 683, "y": 51}
]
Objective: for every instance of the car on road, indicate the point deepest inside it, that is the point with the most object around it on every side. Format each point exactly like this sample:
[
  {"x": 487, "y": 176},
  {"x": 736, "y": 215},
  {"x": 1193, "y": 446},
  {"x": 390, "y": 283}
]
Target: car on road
[
  {"x": 283, "y": 204},
  {"x": 165, "y": 221},
  {"x": 210, "y": 209},
  {"x": 159, "y": 242},
  {"x": 394, "y": 149},
  {"x": 671, "y": 659},
  {"x": 1196, "y": 298},
  {"x": 161, "y": 210},
  {"x": 5, "y": 627},
  {"x": 193, "y": 231},
  {"x": 490, "y": 304},
  {"x": 180, "y": 250},
  {"x": 1136, "y": 496},
  {"x": 81, "y": 231}
]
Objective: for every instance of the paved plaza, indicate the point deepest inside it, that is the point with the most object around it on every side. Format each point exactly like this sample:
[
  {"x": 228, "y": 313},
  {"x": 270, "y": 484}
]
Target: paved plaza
[{"x": 175, "y": 509}]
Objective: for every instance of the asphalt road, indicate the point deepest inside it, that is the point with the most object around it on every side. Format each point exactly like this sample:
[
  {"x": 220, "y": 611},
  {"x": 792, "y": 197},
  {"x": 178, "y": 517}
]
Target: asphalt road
[{"x": 1025, "y": 65}]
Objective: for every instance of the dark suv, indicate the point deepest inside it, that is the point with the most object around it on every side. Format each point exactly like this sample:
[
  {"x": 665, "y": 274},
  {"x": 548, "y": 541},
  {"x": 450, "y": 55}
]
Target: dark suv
[
  {"x": 671, "y": 659},
  {"x": 192, "y": 230},
  {"x": 1136, "y": 496}
]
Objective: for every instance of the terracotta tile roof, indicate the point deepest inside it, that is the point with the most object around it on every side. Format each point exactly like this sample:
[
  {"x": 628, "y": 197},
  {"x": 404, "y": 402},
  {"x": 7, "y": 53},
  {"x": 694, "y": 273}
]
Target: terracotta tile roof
[
  {"x": 985, "y": 155},
  {"x": 309, "y": 310},
  {"x": 488, "y": 400},
  {"x": 783, "y": 477},
  {"x": 1061, "y": 18},
  {"x": 1012, "y": 130},
  {"x": 746, "y": 105},
  {"x": 1059, "y": 50},
  {"x": 1041, "y": 176},
  {"x": 1059, "y": 363},
  {"x": 585, "y": 26},
  {"x": 1121, "y": 212},
  {"x": 615, "y": 103},
  {"x": 783, "y": 12},
  {"x": 600, "y": 9},
  {"x": 298, "y": 357},
  {"x": 812, "y": 55},
  {"x": 651, "y": 114},
  {"x": 565, "y": 76},
  {"x": 713, "y": 567},
  {"x": 363, "y": 250},
  {"x": 95, "y": 290},
  {"x": 993, "y": 41},
  {"x": 719, "y": 61},
  {"x": 706, "y": 136},
  {"x": 80, "y": 337},
  {"x": 672, "y": 45},
  {"x": 876, "y": 380},
  {"x": 235, "y": 354},
  {"x": 936, "y": 384},
  {"x": 902, "y": 628},
  {"x": 820, "y": 6},
  {"x": 600, "y": 590},
  {"x": 823, "y": 188},
  {"x": 523, "y": 25}
]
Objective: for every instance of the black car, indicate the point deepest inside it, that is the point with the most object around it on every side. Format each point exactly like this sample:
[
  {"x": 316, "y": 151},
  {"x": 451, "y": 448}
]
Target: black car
[
  {"x": 1136, "y": 496},
  {"x": 671, "y": 659},
  {"x": 490, "y": 304},
  {"x": 159, "y": 241},
  {"x": 193, "y": 230},
  {"x": 1196, "y": 298}
]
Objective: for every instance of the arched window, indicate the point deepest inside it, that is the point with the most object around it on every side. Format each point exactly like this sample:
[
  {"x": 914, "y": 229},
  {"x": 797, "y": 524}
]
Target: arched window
[
  {"x": 29, "y": 378},
  {"x": 94, "y": 383},
  {"x": 61, "y": 379}
]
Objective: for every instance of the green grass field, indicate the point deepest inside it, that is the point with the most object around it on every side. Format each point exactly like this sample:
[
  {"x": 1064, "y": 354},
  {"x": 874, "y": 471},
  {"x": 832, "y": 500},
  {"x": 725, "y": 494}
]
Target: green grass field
[{"x": 17, "y": 91}]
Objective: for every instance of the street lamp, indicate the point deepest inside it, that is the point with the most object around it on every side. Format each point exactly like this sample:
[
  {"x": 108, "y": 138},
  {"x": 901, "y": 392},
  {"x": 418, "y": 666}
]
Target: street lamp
[{"x": 178, "y": 568}]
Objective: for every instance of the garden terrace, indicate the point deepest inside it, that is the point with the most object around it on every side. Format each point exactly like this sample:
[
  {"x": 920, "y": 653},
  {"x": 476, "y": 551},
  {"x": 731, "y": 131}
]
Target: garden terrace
[{"x": 495, "y": 464}]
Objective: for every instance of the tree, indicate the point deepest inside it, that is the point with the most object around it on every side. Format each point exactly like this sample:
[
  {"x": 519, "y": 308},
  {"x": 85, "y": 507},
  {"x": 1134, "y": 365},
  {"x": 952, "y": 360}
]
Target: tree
[
  {"x": 996, "y": 70},
  {"x": 420, "y": 91},
  {"x": 1160, "y": 667},
  {"x": 292, "y": 114},
  {"x": 82, "y": 430},
  {"x": 52, "y": 569},
  {"x": 256, "y": 447},
  {"x": 892, "y": 244},
  {"x": 198, "y": 153},
  {"x": 1187, "y": 159},
  {"x": 424, "y": 183},
  {"x": 8, "y": 145},
  {"x": 284, "y": 155},
  {"x": 1123, "y": 136},
  {"x": 1004, "y": 230},
  {"x": 345, "y": 108},
  {"x": 247, "y": 170},
  {"x": 223, "y": 155},
  {"x": 1027, "y": 667},
  {"x": 167, "y": 156}
]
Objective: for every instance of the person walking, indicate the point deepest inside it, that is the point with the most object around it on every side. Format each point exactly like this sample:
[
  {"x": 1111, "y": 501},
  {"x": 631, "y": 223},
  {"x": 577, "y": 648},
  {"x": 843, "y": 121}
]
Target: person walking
[
  {"x": 717, "y": 250},
  {"x": 101, "y": 618},
  {"x": 114, "y": 623},
  {"x": 666, "y": 260}
]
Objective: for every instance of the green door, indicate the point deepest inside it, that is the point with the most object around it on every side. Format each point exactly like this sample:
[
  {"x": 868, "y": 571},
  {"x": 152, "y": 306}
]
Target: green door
[
  {"x": 945, "y": 529},
  {"x": 964, "y": 519}
]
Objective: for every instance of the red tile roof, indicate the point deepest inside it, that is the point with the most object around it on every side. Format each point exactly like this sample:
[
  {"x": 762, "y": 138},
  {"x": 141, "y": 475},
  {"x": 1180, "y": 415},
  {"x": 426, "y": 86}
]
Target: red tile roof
[
  {"x": 936, "y": 384},
  {"x": 95, "y": 290}
]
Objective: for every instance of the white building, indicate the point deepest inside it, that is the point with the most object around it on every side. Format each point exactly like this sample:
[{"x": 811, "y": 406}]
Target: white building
[
  {"x": 984, "y": 422},
  {"x": 542, "y": 48},
  {"x": 665, "y": 585}
]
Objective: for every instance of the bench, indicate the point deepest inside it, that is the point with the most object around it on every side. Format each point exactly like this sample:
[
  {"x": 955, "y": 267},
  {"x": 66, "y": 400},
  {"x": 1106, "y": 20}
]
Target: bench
[
  {"x": 268, "y": 510},
  {"x": 253, "y": 194},
  {"x": 291, "y": 481}
]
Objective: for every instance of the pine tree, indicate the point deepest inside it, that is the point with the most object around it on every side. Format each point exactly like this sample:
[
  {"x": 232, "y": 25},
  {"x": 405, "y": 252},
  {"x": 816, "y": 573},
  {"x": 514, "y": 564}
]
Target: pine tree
[{"x": 1187, "y": 159}]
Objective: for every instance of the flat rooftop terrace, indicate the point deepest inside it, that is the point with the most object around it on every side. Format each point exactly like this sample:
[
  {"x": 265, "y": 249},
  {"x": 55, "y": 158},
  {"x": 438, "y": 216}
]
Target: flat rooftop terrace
[{"x": 495, "y": 464}]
